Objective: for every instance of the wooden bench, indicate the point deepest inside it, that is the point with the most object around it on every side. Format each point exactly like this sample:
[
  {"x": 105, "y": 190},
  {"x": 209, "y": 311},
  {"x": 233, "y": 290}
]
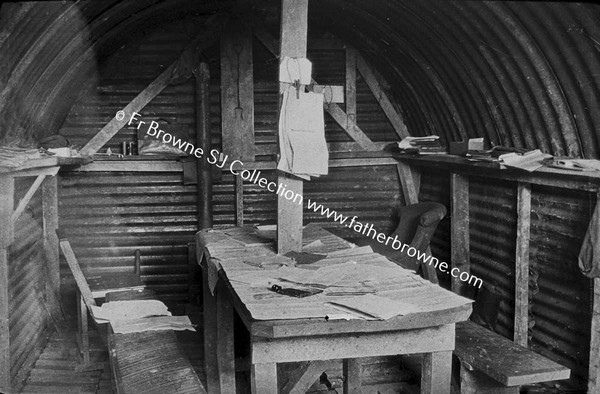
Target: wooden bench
[
  {"x": 141, "y": 362},
  {"x": 491, "y": 363}
]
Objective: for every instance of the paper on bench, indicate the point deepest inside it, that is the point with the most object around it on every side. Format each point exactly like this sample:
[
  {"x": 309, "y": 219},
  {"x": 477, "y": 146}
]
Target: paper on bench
[
  {"x": 127, "y": 310},
  {"x": 154, "y": 323},
  {"x": 372, "y": 307}
]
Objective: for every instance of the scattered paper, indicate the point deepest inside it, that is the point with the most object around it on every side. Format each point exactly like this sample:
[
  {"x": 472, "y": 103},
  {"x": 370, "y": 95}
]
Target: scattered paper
[
  {"x": 128, "y": 310},
  {"x": 529, "y": 161},
  {"x": 372, "y": 307}
]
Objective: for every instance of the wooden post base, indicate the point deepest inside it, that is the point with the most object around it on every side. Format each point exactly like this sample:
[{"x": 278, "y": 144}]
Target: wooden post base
[{"x": 475, "y": 382}]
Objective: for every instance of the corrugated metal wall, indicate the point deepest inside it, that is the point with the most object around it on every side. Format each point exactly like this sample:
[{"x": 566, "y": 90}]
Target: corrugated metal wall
[
  {"x": 560, "y": 303},
  {"x": 27, "y": 273}
]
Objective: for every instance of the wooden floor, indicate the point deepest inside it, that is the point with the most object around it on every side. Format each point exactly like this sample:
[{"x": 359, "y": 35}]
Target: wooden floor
[{"x": 58, "y": 368}]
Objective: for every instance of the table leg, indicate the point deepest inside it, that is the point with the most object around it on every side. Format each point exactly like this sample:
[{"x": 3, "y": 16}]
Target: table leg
[
  {"x": 210, "y": 338},
  {"x": 264, "y": 378},
  {"x": 352, "y": 376},
  {"x": 436, "y": 372},
  {"x": 225, "y": 346}
]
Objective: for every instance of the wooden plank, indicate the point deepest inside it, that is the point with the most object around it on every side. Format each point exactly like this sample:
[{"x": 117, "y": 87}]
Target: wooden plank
[
  {"x": 459, "y": 231},
  {"x": 311, "y": 348},
  {"x": 239, "y": 201},
  {"x": 502, "y": 359},
  {"x": 594, "y": 360},
  {"x": 294, "y": 30},
  {"x": 237, "y": 90},
  {"x": 7, "y": 187},
  {"x": 350, "y": 87},
  {"x": 203, "y": 170},
  {"x": 225, "y": 350},
  {"x": 521, "y": 324},
  {"x": 51, "y": 251},
  {"x": 409, "y": 183},
  {"x": 332, "y": 108},
  {"x": 27, "y": 197},
  {"x": 352, "y": 370},
  {"x": 82, "y": 283},
  {"x": 436, "y": 372},
  {"x": 189, "y": 55},
  {"x": 131, "y": 166},
  {"x": 264, "y": 378},
  {"x": 371, "y": 78},
  {"x": 354, "y": 132},
  {"x": 475, "y": 382}
]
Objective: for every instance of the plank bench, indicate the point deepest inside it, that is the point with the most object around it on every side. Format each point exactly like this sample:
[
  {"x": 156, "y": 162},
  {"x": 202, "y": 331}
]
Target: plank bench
[
  {"x": 491, "y": 363},
  {"x": 141, "y": 362}
]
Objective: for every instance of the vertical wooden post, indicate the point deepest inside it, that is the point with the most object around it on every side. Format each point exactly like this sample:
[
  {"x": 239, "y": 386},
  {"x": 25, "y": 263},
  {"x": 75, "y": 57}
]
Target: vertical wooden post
[
  {"x": 202, "y": 77},
  {"x": 239, "y": 201},
  {"x": 51, "y": 250},
  {"x": 351, "y": 87},
  {"x": 522, "y": 264},
  {"x": 459, "y": 232},
  {"x": 594, "y": 367},
  {"x": 7, "y": 205},
  {"x": 436, "y": 372},
  {"x": 294, "y": 29},
  {"x": 410, "y": 181},
  {"x": 237, "y": 88}
]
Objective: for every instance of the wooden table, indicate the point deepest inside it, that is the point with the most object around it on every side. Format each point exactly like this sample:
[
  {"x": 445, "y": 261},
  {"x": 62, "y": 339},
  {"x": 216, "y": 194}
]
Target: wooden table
[{"x": 430, "y": 331}]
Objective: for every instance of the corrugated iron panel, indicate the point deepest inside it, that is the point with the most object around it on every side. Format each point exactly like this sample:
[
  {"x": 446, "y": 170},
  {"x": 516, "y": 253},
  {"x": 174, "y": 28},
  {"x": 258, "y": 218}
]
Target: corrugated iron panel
[
  {"x": 561, "y": 302},
  {"x": 492, "y": 232},
  {"x": 107, "y": 216},
  {"x": 26, "y": 279},
  {"x": 370, "y": 193}
]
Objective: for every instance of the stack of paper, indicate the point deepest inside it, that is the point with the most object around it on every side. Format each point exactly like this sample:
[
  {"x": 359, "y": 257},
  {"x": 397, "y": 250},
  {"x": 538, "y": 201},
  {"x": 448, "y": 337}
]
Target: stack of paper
[{"x": 529, "y": 161}]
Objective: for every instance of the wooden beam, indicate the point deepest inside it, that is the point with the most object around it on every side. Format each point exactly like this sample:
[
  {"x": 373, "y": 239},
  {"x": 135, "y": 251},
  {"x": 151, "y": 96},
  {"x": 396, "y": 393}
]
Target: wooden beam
[
  {"x": 436, "y": 372},
  {"x": 203, "y": 140},
  {"x": 239, "y": 201},
  {"x": 350, "y": 88},
  {"x": 237, "y": 90},
  {"x": 294, "y": 30},
  {"x": 7, "y": 188},
  {"x": 333, "y": 109},
  {"x": 522, "y": 264},
  {"x": 410, "y": 184},
  {"x": 82, "y": 283},
  {"x": 300, "y": 380},
  {"x": 51, "y": 251},
  {"x": 459, "y": 231},
  {"x": 371, "y": 78},
  {"x": 188, "y": 60},
  {"x": 130, "y": 166},
  {"x": 26, "y": 198}
]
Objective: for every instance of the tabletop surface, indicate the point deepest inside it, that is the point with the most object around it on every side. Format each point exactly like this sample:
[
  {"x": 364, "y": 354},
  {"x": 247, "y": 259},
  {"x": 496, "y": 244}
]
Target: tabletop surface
[{"x": 359, "y": 290}]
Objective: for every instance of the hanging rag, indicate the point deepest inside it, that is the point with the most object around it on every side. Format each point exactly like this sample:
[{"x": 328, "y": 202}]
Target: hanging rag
[
  {"x": 303, "y": 149},
  {"x": 294, "y": 69},
  {"x": 589, "y": 255}
]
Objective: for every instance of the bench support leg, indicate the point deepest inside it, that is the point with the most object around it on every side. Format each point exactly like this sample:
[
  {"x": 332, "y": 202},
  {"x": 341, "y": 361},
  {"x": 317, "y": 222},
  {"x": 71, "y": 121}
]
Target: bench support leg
[
  {"x": 84, "y": 338},
  {"x": 475, "y": 382},
  {"x": 436, "y": 372},
  {"x": 264, "y": 378}
]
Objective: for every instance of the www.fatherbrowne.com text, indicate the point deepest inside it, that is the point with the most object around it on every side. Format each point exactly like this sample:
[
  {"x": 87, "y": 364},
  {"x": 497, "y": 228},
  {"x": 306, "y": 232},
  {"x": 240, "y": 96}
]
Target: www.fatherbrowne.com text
[{"x": 236, "y": 167}]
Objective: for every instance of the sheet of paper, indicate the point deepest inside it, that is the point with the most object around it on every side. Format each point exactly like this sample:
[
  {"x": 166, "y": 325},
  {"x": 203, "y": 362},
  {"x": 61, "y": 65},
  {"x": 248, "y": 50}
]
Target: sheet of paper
[
  {"x": 295, "y": 69},
  {"x": 127, "y": 310},
  {"x": 155, "y": 323},
  {"x": 529, "y": 161},
  {"x": 371, "y": 306}
]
